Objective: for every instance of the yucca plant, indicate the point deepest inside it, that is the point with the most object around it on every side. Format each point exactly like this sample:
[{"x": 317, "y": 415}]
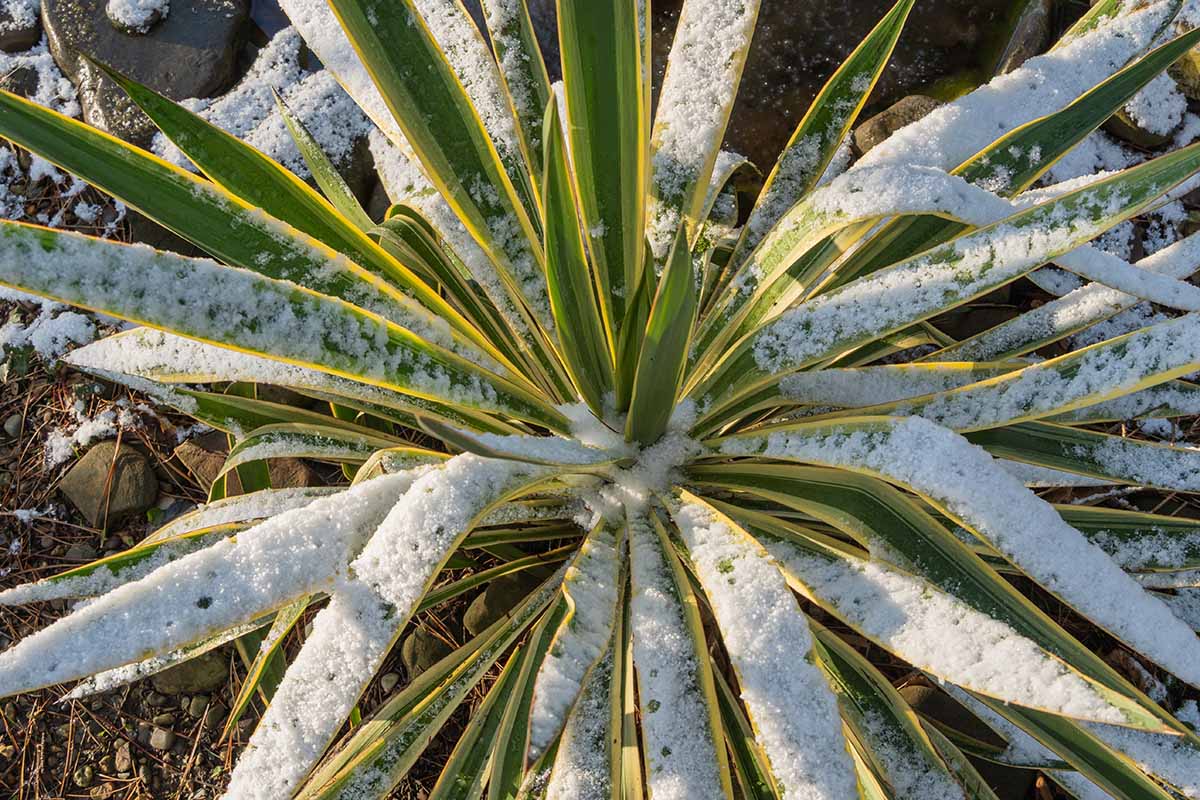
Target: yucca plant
[{"x": 714, "y": 431}]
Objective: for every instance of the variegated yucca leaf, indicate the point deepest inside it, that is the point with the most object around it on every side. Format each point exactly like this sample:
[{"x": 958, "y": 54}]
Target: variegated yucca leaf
[{"x": 741, "y": 463}]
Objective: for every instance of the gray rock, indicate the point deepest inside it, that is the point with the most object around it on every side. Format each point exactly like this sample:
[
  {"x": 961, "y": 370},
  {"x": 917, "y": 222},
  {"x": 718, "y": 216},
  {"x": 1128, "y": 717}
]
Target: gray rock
[
  {"x": 191, "y": 53},
  {"x": 495, "y": 601},
  {"x": 204, "y": 673},
  {"x": 83, "y": 776},
  {"x": 421, "y": 650},
  {"x": 22, "y": 81},
  {"x": 20, "y": 28},
  {"x": 388, "y": 681},
  {"x": 108, "y": 484},
  {"x": 12, "y": 426},
  {"x": 162, "y": 739},
  {"x": 1122, "y": 126},
  {"x": 886, "y": 122},
  {"x": 197, "y": 706},
  {"x": 123, "y": 758},
  {"x": 81, "y": 552},
  {"x": 205, "y": 455},
  {"x": 1030, "y": 34}
]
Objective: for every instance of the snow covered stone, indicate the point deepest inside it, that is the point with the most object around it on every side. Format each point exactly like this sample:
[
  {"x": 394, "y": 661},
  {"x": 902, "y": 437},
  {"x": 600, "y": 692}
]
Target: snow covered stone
[{"x": 136, "y": 16}]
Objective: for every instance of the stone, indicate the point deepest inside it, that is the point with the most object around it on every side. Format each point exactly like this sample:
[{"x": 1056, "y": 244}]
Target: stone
[
  {"x": 378, "y": 202},
  {"x": 110, "y": 483},
  {"x": 204, "y": 673},
  {"x": 215, "y": 716},
  {"x": 84, "y": 776},
  {"x": 147, "y": 231},
  {"x": 81, "y": 552},
  {"x": 204, "y": 456},
  {"x": 190, "y": 53},
  {"x": 1030, "y": 34},
  {"x": 20, "y": 28},
  {"x": 197, "y": 706},
  {"x": 12, "y": 425},
  {"x": 164, "y": 720},
  {"x": 103, "y": 791},
  {"x": 421, "y": 650},
  {"x": 495, "y": 601},
  {"x": 886, "y": 122},
  {"x": 1122, "y": 126},
  {"x": 162, "y": 739},
  {"x": 7, "y": 751},
  {"x": 388, "y": 681}
]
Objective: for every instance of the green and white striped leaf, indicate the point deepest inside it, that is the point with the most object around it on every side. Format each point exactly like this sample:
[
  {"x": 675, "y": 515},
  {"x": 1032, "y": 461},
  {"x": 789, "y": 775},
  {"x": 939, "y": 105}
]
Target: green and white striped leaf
[
  {"x": 608, "y": 130},
  {"x": 320, "y": 443},
  {"x": 822, "y": 130},
  {"x": 586, "y": 341},
  {"x": 515, "y": 43},
  {"x": 252, "y": 313},
  {"x": 664, "y": 348},
  {"x": 925, "y": 597},
  {"x": 592, "y": 593},
  {"x": 383, "y": 748},
  {"x": 199, "y": 604},
  {"x": 423, "y": 91},
  {"x": 365, "y": 616},
  {"x": 1105, "y": 371},
  {"x": 941, "y": 278},
  {"x": 467, "y": 768},
  {"x": 967, "y": 484},
  {"x": 703, "y": 70},
  {"x": 324, "y": 172},
  {"x": 585, "y": 762},
  {"x": 788, "y": 699},
  {"x": 680, "y": 721},
  {"x": 202, "y": 212},
  {"x": 1098, "y": 455},
  {"x": 892, "y": 740}
]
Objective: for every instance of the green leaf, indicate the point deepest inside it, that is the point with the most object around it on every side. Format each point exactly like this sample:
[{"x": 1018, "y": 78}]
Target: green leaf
[
  {"x": 586, "y": 341},
  {"x": 324, "y": 172},
  {"x": 205, "y": 214},
  {"x": 1087, "y": 754},
  {"x": 939, "y": 279},
  {"x": 317, "y": 442},
  {"x": 1098, "y": 455},
  {"x": 822, "y": 130},
  {"x": 608, "y": 130},
  {"x": 671, "y": 659},
  {"x": 255, "y": 314},
  {"x": 750, "y": 765},
  {"x": 664, "y": 348},
  {"x": 895, "y": 744},
  {"x": 267, "y": 656},
  {"x": 1016, "y": 160},
  {"x": 515, "y": 44},
  {"x": 882, "y": 520},
  {"x": 433, "y": 109},
  {"x": 382, "y": 749}
]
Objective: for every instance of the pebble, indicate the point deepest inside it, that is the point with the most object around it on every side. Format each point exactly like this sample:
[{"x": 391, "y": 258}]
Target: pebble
[
  {"x": 123, "y": 759},
  {"x": 12, "y": 426},
  {"x": 162, "y": 739},
  {"x": 388, "y": 682},
  {"x": 84, "y": 776},
  {"x": 164, "y": 720},
  {"x": 197, "y": 706}
]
